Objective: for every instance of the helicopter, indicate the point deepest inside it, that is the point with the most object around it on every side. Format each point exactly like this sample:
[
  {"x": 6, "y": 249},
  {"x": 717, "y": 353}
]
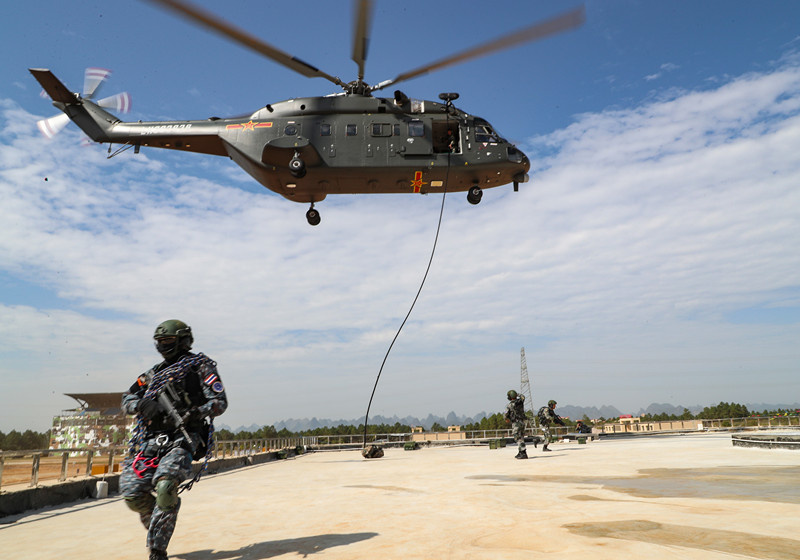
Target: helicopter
[{"x": 349, "y": 142}]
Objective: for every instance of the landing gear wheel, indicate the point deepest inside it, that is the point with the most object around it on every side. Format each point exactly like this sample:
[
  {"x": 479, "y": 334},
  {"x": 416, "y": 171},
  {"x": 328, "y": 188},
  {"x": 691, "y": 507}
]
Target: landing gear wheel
[
  {"x": 313, "y": 216},
  {"x": 297, "y": 166},
  {"x": 474, "y": 195}
]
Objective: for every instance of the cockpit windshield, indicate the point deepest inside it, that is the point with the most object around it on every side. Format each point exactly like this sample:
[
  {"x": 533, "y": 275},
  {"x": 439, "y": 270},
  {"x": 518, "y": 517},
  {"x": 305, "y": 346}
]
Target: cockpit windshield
[{"x": 484, "y": 133}]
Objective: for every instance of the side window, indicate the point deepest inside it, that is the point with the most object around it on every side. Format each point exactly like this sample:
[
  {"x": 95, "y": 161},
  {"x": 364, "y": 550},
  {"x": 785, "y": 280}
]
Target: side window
[
  {"x": 324, "y": 129},
  {"x": 416, "y": 129},
  {"x": 381, "y": 129},
  {"x": 351, "y": 129},
  {"x": 395, "y": 130},
  {"x": 290, "y": 130}
]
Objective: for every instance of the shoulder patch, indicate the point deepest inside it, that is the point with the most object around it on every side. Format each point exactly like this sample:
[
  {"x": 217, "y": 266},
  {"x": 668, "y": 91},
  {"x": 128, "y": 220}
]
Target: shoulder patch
[
  {"x": 141, "y": 380},
  {"x": 216, "y": 387},
  {"x": 211, "y": 378}
]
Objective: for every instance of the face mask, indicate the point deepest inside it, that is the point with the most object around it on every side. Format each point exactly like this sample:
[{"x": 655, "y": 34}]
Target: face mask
[{"x": 167, "y": 346}]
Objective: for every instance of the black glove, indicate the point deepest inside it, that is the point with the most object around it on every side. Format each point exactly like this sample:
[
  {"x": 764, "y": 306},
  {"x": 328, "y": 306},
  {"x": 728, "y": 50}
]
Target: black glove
[
  {"x": 149, "y": 409},
  {"x": 192, "y": 416}
]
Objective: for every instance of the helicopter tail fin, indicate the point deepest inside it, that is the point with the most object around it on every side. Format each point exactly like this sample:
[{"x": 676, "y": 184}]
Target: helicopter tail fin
[{"x": 57, "y": 91}]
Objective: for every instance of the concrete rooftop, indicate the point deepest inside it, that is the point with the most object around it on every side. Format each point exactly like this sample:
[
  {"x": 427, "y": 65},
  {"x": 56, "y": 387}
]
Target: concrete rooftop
[{"x": 682, "y": 497}]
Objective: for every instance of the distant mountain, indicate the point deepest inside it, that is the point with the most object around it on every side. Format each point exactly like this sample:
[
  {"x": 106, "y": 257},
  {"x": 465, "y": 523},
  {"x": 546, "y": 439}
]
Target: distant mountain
[
  {"x": 577, "y": 412},
  {"x": 664, "y": 408},
  {"x": 453, "y": 419},
  {"x": 760, "y": 407}
]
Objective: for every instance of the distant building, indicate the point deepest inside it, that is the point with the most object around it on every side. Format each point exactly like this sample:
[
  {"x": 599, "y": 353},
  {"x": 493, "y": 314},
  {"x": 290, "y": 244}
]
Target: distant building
[{"x": 98, "y": 421}]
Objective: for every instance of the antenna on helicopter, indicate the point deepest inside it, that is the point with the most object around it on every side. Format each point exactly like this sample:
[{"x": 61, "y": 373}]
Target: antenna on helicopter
[{"x": 448, "y": 99}]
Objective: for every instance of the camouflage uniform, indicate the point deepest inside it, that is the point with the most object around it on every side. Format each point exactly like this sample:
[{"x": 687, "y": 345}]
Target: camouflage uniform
[
  {"x": 515, "y": 413},
  {"x": 547, "y": 415},
  {"x": 159, "y": 449}
]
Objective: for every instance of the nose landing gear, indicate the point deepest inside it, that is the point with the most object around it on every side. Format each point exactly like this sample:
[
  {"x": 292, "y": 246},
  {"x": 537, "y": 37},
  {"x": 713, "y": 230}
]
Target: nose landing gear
[
  {"x": 474, "y": 194},
  {"x": 313, "y": 216}
]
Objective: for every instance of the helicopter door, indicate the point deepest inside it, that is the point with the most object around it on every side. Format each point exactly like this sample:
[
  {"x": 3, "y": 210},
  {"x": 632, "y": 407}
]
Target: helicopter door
[
  {"x": 446, "y": 137},
  {"x": 418, "y": 142}
]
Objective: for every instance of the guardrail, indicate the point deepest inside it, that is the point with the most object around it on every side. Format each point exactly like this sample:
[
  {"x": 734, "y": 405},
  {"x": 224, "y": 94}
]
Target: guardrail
[{"x": 33, "y": 466}]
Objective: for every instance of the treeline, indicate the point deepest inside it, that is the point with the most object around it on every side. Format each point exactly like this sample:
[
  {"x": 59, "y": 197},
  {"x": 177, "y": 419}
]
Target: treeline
[
  {"x": 722, "y": 410},
  {"x": 494, "y": 422},
  {"x": 15, "y": 441},
  {"x": 269, "y": 432}
]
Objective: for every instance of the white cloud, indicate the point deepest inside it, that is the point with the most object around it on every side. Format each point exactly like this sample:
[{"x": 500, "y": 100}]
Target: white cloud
[{"x": 616, "y": 266}]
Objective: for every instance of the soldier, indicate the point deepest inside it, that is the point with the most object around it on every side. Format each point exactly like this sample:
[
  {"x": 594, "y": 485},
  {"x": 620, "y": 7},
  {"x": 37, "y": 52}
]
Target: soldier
[
  {"x": 372, "y": 452},
  {"x": 546, "y": 415},
  {"x": 172, "y": 402},
  {"x": 515, "y": 414}
]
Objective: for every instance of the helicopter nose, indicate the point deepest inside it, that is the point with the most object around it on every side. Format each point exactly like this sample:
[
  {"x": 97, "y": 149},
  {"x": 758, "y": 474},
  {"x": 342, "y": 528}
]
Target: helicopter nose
[{"x": 516, "y": 155}]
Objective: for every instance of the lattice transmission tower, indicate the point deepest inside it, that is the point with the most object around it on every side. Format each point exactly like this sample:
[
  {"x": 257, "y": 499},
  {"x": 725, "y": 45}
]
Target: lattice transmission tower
[{"x": 524, "y": 382}]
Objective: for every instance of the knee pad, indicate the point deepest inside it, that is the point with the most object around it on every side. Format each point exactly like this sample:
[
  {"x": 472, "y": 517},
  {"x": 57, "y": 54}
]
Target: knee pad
[
  {"x": 142, "y": 503},
  {"x": 167, "y": 494}
]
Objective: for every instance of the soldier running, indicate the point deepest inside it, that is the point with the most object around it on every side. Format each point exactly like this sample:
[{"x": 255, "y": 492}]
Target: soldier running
[
  {"x": 172, "y": 402},
  {"x": 515, "y": 414},
  {"x": 546, "y": 415}
]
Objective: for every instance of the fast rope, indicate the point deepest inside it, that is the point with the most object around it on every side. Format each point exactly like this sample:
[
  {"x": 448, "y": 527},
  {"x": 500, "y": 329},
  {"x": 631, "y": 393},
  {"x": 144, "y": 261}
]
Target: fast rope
[{"x": 413, "y": 303}]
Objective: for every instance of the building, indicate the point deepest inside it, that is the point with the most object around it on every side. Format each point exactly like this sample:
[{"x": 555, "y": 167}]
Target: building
[{"x": 98, "y": 421}]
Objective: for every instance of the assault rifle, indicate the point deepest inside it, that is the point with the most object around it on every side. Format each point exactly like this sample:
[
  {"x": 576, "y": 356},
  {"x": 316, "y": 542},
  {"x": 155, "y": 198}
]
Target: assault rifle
[{"x": 167, "y": 397}]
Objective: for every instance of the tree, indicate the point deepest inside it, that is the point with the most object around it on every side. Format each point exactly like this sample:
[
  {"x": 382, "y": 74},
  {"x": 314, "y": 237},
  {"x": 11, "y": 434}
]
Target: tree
[{"x": 724, "y": 410}]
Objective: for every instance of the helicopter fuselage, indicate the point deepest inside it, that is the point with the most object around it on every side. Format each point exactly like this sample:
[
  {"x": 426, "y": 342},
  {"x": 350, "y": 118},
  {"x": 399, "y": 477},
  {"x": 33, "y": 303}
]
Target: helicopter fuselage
[{"x": 346, "y": 144}]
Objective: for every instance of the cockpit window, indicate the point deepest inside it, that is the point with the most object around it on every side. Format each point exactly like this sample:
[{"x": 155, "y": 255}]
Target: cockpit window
[
  {"x": 484, "y": 133},
  {"x": 416, "y": 129}
]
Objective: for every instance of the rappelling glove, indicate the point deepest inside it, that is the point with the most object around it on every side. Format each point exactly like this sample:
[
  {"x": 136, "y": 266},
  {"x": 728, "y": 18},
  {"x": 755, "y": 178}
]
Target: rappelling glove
[
  {"x": 192, "y": 416},
  {"x": 149, "y": 409}
]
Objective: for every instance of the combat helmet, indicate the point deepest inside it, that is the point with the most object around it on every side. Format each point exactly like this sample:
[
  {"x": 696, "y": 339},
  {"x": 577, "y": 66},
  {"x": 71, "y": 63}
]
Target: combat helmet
[
  {"x": 551, "y": 403},
  {"x": 173, "y": 338},
  {"x": 512, "y": 394}
]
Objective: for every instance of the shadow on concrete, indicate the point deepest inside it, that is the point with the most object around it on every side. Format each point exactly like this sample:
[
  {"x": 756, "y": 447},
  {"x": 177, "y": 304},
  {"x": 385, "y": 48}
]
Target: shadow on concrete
[
  {"x": 55, "y": 511},
  {"x": 735, "y": 543},
  {"x": 303, "y": 546}
]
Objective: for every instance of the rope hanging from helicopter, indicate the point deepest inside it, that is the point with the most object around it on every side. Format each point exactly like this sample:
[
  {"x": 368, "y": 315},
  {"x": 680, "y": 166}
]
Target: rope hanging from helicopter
[{"x": 419, "y": 291}]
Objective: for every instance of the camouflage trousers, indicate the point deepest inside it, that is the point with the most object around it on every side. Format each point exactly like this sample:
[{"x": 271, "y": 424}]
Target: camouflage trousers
[
  {"x": 137, "y": 489},
  {"x": 546, "y": 433},
  {"x": 518, "y": 433}
]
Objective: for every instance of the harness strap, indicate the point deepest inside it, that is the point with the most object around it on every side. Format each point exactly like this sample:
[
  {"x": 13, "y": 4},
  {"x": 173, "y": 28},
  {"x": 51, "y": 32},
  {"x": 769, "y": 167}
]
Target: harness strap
[{"x": 143, "y": 464}]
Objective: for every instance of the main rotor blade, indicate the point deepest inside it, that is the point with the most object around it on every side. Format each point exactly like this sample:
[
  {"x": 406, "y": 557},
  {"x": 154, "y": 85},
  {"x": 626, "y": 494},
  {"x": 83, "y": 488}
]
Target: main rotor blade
[
  {"x": 361, "y": 34},
  {"x": 540, "y": 30},
  {"x": 200, "y": 16}
]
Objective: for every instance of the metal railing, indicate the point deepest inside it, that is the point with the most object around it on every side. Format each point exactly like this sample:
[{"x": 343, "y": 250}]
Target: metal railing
[
  {"x": 57, "y": 464},
  {"x": 31, "y": 467},
  {"x": 28, "y": 468}
]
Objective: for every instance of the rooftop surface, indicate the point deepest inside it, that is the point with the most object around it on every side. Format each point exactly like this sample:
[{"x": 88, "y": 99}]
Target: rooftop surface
[{"x": 687, "y": 497}]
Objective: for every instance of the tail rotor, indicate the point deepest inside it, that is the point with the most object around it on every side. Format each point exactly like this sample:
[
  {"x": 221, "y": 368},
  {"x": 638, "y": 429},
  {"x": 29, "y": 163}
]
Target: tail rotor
[{"x": 92, "y": 79}]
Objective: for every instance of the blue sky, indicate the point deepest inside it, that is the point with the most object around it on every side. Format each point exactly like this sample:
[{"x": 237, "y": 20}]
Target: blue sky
[{"x": 652, "y": 257}]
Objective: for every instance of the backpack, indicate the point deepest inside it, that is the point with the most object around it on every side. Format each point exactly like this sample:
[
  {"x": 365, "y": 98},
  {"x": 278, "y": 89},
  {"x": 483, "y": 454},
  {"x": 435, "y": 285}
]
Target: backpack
[{"x": 543, "y": 416}]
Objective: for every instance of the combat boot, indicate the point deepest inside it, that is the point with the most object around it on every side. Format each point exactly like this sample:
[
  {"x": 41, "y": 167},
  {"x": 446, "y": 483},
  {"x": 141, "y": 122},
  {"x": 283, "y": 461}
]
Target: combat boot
[
  {"x": 545, "y": 448},
  {"x": 156, "y": 554},
  {"x": 521, "y": 455}
]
